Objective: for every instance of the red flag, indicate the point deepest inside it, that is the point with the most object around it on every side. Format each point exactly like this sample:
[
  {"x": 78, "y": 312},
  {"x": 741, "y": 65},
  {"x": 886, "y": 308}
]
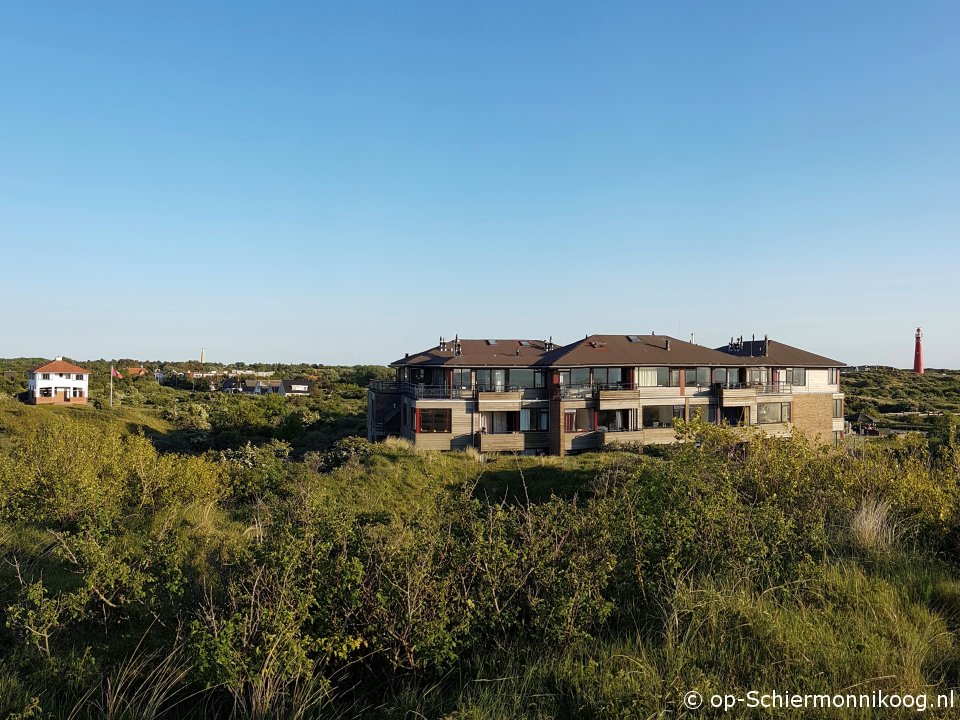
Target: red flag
[{"x": 114, "y": 373}]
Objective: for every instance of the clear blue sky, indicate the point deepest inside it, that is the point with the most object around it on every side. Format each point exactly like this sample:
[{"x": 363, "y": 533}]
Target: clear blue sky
[{"x": 345, "y": 182}]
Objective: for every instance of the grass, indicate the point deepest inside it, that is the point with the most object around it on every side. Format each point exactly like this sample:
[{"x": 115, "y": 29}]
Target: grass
[{"x": 895, "y": 391}]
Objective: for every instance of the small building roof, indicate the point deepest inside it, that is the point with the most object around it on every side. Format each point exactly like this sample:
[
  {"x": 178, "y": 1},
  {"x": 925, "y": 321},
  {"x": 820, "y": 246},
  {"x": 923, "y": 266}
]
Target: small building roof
[
  {"x": 60, "y": 366},
  {"x": 288, "y": 385}
]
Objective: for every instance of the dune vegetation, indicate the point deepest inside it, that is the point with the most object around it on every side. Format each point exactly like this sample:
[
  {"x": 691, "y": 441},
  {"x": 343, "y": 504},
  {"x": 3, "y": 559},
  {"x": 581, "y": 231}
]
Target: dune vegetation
[{"x": 259, "y": 580}]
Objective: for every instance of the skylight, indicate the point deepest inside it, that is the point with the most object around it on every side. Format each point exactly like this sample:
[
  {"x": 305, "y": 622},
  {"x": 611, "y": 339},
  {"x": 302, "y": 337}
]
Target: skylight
[
  {"x": 633, "y": 338},
  {"x": 491, "y": 342}
]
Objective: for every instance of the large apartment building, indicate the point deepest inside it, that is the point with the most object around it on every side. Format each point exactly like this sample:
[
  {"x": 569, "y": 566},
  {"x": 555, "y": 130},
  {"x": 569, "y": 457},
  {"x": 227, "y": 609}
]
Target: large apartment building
[{"x": 531, "y": 396}]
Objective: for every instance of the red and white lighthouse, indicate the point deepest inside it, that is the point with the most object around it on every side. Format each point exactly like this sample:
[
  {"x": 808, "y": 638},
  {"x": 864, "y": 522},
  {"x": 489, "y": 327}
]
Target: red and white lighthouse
[{"x": 918, "y": 353}]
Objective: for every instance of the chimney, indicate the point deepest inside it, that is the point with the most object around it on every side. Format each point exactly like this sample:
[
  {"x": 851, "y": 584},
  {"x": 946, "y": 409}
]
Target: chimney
[
  {"x": 766, "y": 346},
  {"x": 918, "y": 353},
  {"x": 753, "y": 340},
  {"x": 59, "y": 357},
  {"x": 668, "y": 345}
]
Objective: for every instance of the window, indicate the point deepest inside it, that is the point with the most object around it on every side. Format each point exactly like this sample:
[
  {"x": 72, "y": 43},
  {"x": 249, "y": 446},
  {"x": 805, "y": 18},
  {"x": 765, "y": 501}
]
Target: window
[
  {"x": 539, "y": 378},
  {"x": 46, "y": 392},
  {"x": 773, "y": 413},
  {"x": 607, "y": 376},
  {"x": 491, "y": 380},
  {"x": 837, "y": 439},
  {"x": 707, "y": 413},
  {"x": 696, "y": 376},
  {"x": 77, "y": 392},
  {"x": 838, "y": 408},
  {"x": 534, "y": 420},
  {"x": 757, "y": 376},
  {"x": 796, "y": 376},
  {"x": 45, "y": 376},
  {"x": 580, "y": 376},
  {"x": 522, "y": 378},
  {"x": 435, "y": 421},
  {"x": 462, "y": 379},
  {"x": 584, "y": 420},
  {"x": 833, "y": 376},
  {"x": 613, "y": 420},
  {"x": 647, "y": 377},
  {"x": 667, "y": 377},
  {"x": 578, "y": 420},
  {"x": 78, "y": 377},
  {"x": 655, "y": 416}
]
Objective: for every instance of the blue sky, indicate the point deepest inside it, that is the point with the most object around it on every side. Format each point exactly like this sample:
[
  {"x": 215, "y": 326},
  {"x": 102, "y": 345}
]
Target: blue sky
[{"x": 343, "y": 183}]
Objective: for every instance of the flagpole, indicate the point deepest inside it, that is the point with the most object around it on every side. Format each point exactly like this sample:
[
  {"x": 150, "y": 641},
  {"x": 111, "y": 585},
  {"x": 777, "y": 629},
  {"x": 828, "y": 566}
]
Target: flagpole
[{"x": 111, "y": 386}]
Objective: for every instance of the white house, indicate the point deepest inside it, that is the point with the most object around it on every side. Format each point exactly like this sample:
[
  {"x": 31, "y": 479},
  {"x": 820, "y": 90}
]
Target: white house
[{"x": 58, "y": 382}]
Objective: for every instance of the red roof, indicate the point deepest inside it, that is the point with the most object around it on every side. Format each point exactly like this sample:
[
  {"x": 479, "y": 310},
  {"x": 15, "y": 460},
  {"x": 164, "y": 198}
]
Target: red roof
[{"x": 60, "y": 366}]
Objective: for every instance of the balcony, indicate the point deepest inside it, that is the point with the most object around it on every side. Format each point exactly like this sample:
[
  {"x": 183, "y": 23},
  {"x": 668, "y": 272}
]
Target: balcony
[
  {"x": 741, "y": 394},
  {"x": 445, "y": 392},
  {"x": 512, "y": 442},
  {"x": 621, "y": 437},
  {"x": 617, "y": 391}
]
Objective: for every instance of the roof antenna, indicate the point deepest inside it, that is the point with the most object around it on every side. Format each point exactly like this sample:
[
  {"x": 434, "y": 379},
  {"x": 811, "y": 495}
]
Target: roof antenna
[
  {"x": 753, "y": 340},
  {"x": 692, "y": 342}
]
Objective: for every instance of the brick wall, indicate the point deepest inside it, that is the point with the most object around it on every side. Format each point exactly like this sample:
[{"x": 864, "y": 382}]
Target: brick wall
[{"x": 813, "y": 414}]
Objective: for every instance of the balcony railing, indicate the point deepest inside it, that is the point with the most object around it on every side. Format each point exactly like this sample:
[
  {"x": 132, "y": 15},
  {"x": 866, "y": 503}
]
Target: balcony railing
[
  {"x": 769, "y": 388},
  {"x": 444, "y": 392}
]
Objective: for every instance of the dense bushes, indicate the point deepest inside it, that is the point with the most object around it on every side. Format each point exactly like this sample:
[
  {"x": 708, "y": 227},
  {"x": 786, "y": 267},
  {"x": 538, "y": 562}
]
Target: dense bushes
[{"x": 277, "y": 595}]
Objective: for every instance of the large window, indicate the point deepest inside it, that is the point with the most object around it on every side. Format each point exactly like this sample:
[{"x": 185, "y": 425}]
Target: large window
[
  {"x": 773, "y": 413},
  {"x": 833, "y": 376},
  {"x": 580, "y": 376},
  {"x": 694, "y": 377},
  {"x": 613, "y": 420},
  {"x": 838, "y": 408},
  {"x": 607, "y": 376},
  {"x": 647, "y": 377},
  {"x": 45, "y": 376},
  {"x": 492, "y": 380},
  {"x": 578, "y": 420},
  {"x": 668, "y": 377},
  {"x": 707, "y": 413},
  {"x": 796, "y": 376},
  {"x": 534, "y": 420},
  {"x": 758, "y": 376},
  {"x": 655, "y": 416},
  {"x": 462, "y": 379},
  {"x": 435, "y": 421}
]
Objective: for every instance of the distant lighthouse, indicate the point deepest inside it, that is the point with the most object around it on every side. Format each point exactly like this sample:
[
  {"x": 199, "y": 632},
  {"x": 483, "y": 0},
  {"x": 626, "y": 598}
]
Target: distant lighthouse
[{"x": 918, "y": 353}]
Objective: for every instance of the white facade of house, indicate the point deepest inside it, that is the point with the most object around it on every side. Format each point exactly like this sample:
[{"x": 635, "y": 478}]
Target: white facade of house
[{"x": 51, "y": 383}]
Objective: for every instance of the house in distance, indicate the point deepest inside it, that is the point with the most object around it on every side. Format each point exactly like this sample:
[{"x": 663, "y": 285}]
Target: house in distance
[{"x": 57, "y": 382}]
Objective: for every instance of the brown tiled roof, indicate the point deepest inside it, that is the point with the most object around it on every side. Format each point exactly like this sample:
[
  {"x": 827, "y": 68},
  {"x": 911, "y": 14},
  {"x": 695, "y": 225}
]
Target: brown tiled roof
[
  {"x": 776, "y": 353},
  {"x": 612, "y": 350},
  {"x": 478, "y": 353},
  {"x": 60, "y": 366}
]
